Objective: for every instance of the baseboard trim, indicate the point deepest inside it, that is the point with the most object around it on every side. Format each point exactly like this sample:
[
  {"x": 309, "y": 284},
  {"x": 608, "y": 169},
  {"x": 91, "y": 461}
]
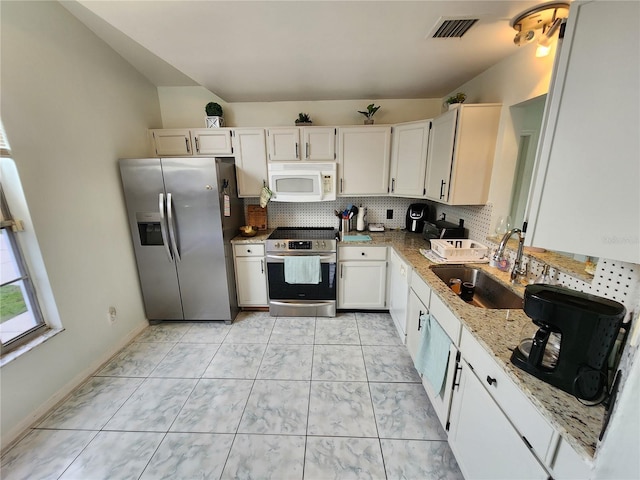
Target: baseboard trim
[{"x": 21, "y": 429}]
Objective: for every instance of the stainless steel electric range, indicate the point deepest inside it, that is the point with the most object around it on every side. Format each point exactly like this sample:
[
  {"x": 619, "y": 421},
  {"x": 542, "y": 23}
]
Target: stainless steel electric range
[{"x": 302, "y": 299}]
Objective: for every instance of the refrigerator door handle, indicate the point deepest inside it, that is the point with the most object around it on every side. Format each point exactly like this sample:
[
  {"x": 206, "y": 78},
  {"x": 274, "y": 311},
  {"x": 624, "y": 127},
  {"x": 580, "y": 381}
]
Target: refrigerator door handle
[
  {"x": 172, "y": 227},
  {"x": 163, "y": 226}
]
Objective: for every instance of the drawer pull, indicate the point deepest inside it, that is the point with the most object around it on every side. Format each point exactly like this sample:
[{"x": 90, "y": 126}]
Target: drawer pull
[
  {"x": 363, "y": 254},
  {"x": 492, "y": 381}
]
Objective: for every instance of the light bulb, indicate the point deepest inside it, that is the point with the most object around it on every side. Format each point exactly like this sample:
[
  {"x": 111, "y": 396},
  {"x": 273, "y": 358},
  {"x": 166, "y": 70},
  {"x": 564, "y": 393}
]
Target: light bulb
[{"x": 543, "y": 50}]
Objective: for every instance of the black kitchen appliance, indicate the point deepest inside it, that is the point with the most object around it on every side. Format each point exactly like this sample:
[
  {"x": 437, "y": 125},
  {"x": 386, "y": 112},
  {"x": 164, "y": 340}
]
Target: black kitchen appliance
[
  {"x": 417, "y": 215},
  {"x": 571, "y": 348},
  {"x": 443, "y": 229}
]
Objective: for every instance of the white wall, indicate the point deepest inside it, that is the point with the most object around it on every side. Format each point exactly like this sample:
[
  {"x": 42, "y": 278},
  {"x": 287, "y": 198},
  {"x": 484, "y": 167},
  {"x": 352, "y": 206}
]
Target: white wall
[
  {"x": 184, "y": 107},
  {"x": 71, "y": 107},
  {"x": 518, "y": 78}
]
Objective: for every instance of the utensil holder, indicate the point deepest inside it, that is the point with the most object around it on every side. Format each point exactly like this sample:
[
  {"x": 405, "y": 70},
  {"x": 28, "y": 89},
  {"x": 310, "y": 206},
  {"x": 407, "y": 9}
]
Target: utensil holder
[{"x": 345, "y": 225}]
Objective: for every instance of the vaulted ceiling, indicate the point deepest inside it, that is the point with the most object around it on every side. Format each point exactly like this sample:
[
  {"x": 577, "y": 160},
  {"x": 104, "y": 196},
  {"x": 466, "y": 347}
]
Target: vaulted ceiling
[{"x": 304, "y": 49}]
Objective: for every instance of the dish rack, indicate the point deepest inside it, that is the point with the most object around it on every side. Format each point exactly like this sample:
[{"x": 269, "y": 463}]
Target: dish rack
[{"x": 462, "y": 250}]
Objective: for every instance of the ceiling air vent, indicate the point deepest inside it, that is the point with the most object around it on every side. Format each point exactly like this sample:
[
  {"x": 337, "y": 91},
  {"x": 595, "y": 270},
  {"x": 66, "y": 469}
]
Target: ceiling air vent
[{"x": 452, "y": 27}]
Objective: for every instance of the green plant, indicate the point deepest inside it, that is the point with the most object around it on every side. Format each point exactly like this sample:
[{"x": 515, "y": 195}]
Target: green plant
[
  {"x": 213, "y": 109},
  {"x": 457, "y": 98},
  {"x": 303, "y": 118},
  {"x": 371, "y": 110}
]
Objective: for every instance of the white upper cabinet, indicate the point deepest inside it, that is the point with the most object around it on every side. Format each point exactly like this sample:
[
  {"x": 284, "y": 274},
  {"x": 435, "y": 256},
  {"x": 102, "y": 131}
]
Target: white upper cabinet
[
  {"x": 461, "y": 151},
  {"x": 363, "y": 159},
  {"x": 409, "y": 145},
  {"x": 585, "y": 197},
  {"x": 319, "y": 144},
  {"x": 182, "y": 142},
  {"x": 309, "y": 143},
  {"x": 251, "y": 160},
  {"x": 174, "y": 142},
  {"x": 211, "y": 141},
  {"x": 284, "y": 144}
]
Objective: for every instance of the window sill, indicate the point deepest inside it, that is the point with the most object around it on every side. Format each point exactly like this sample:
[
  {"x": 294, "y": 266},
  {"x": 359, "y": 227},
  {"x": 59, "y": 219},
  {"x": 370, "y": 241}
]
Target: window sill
[{"x": 30, "y": 345}]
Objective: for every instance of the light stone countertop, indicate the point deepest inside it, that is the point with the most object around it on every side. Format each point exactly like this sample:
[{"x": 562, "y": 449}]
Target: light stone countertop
[
  {"x": 260, "y": 237},
  {"x": 578, "y": 424}
]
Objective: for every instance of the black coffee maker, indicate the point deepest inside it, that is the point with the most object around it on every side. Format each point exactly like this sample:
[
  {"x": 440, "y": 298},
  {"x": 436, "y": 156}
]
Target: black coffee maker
[
  {"x": 417, "y": 215},
  {"x": 571, "y": 348}
]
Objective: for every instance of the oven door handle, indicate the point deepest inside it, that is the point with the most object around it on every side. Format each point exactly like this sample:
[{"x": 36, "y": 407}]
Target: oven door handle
[{"x": 323, "y": 258}]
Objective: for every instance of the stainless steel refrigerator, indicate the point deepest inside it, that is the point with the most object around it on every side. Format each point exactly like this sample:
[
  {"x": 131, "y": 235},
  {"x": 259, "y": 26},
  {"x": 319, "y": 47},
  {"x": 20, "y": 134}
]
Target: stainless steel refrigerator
[{"x": 183, "y": 213}]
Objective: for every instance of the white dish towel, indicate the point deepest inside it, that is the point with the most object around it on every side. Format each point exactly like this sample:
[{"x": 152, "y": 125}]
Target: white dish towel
[{"x": 302, "y": 269}]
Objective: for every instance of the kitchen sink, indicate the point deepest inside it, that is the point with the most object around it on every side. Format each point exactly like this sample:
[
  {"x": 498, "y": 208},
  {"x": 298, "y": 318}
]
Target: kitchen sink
[{"x": 489, "y": 292}]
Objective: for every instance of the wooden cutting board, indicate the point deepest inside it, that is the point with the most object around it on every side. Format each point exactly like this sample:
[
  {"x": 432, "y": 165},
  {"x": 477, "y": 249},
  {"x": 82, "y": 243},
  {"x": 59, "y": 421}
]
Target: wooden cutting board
[{"x": 257, "y": 216}]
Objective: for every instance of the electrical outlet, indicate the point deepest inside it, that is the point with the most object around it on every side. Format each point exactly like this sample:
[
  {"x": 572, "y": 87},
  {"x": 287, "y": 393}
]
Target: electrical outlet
[
  {"x": 112, "y": 315},
  {"x": 389, "y": 214}
]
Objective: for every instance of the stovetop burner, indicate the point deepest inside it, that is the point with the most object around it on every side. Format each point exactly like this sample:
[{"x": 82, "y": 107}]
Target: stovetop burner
[
  {"x": 303, "y": 233},
  {"x": 302, "y": 239}
]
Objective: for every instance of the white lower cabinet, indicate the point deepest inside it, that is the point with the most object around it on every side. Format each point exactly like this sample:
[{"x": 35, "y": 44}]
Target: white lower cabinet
[
  {"x": 362, "y": 279},
  {"x": 399, "y": 272},
  {"x": 251, "y": 276},
  {"x": 483, "y": 440}
]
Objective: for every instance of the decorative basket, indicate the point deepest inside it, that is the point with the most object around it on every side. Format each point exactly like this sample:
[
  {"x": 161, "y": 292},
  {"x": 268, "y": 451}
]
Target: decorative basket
[{"x": 459, "y": 249}]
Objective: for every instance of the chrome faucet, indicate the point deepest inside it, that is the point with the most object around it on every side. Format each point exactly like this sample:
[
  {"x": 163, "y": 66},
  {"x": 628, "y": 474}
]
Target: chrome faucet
[{"x": 519, "y": 270}]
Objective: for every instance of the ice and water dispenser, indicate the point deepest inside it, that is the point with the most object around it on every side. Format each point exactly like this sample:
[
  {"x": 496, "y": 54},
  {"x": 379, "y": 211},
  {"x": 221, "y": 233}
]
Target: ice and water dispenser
[{"x": 149, "y": 228}]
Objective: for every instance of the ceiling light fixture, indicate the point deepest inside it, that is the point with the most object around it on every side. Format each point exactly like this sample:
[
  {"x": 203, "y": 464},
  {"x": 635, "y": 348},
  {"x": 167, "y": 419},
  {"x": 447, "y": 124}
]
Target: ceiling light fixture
[{"x": 542, "y": 22}]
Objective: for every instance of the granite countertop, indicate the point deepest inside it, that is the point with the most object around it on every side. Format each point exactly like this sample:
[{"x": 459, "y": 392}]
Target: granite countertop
[
  {"x": 578, "y": 424},
  {"x": 260, "y": 237}
]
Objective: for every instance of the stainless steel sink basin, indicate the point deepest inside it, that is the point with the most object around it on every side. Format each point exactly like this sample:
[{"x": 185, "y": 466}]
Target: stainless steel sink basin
[{"x": 489, "y": 292}]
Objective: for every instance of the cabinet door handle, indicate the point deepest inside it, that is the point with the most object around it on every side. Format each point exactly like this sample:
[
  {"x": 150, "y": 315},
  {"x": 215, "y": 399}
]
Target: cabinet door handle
[
  {"x": 186, "y": 141},
  {"x": 492, "y": 381},
  {"x": 341, "y": 270},
  {"x": 261, "y": 266},
  {"x": 340, "y": 185},
  {"x": 197, "y": 146},
  {"x": 393, "y": 185},
  {"x": 307, "y": 149},
  {"x": 441, "y": 189},
  {"x": 296, "y": 149},
  {"x": 419, "y": 317}
]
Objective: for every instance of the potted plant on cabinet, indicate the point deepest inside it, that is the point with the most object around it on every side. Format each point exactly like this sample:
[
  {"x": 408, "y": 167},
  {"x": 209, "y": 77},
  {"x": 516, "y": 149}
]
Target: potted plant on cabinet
[
  {"x": 303, "y": 119},
  {"x": 457, "y": 98},
  {"x": 214, "y": 115},
  {"x": 371, "y": 110}
]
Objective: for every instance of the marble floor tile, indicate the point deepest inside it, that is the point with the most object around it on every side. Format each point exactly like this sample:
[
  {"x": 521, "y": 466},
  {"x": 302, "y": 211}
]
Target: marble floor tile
[
  {"x": 189, "y": 456},
  {"x": 286, "y": 362},
  {"x": 343, "y": 458},
  {"x": 276, "y": 457},
  {"x": 206, "y": 332},
  {"x": 153, "y": 406},
  {"x": 389, "y": 364},
  {"x": 341, "y": 409},
  {"x": 293, "y": 331},
  {"x": 43, "y": 454},
  {"x": 342, "y": 330},
  {"x": 403, "y": 410},
  {"x": 377, "y": 329},
  {"x": 214, "y": 406},
  {"x": 251, "y": 328},
  {"x": 92, "y": 405},
  {"x": 186, "y": 360},
  {"x": 136, "y": 360},
  {"x": 338, "y": 362},
  {"x": 277, "y": 406},
  {"x": 114, "y": 456},
  {"x": 164, "y": 332},
  {"x": 426, "y": 460},
  {"x": 236, "y": 361}
]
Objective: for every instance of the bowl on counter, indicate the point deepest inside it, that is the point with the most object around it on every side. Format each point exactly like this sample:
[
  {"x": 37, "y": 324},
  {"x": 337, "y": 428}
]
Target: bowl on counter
[{"x": 248, "y": 231}]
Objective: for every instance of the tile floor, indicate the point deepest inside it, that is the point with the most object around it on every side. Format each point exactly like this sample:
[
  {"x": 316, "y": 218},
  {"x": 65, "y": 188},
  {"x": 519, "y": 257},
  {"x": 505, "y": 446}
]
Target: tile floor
[{"x": 281, "y": 398}]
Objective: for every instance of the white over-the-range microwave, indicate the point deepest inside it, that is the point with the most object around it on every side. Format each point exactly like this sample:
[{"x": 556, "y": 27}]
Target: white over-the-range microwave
[{"x": 302, "y": 181}]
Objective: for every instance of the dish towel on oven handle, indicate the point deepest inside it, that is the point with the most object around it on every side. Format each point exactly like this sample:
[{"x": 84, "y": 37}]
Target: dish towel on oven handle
[
  {"x": 302, "y": 270},
  {"x": 433, "y": 352}
]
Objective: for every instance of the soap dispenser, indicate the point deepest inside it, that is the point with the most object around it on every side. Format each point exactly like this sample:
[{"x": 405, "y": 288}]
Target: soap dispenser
[{"x": 360, "y": 224}]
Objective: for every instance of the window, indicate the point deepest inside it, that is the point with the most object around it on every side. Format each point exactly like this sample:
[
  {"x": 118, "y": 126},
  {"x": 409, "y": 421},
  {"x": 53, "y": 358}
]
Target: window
[{"x": 20, "y": 316}]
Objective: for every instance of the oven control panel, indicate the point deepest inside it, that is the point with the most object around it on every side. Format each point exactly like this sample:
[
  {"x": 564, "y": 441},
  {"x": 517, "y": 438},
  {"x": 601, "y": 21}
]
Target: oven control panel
[{"x": 298, "y": 245}]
